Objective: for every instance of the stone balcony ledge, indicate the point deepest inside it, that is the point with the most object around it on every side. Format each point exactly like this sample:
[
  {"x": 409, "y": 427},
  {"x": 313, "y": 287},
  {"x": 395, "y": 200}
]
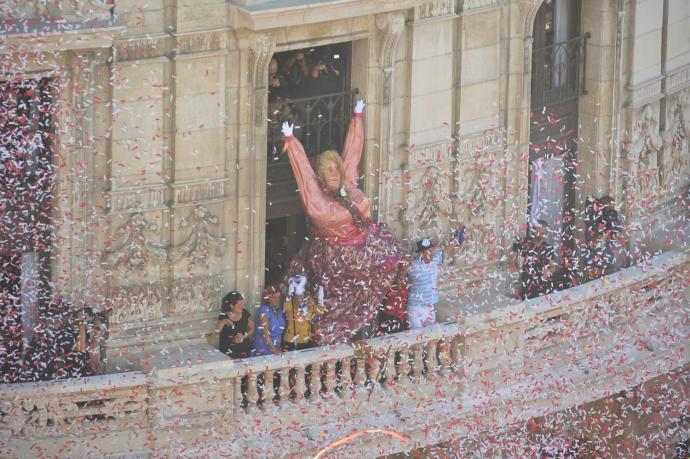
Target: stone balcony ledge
[{"x": 545, "y": 355}]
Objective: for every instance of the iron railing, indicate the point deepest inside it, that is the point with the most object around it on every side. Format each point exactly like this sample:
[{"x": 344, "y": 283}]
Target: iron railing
[
  {"x": 559, "y": 72},
  {"x": 320, "y": 124}
]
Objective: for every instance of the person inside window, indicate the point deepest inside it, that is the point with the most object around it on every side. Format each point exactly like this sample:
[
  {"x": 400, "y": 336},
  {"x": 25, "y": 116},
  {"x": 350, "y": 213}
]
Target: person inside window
[
  {"x": 423, "y": 278},
  {"x": 352, "y": 257},
  {"x": 235, "y": 327},
  {"x": 538, "y": 262},
  {"x": 300, "y": 309},
  {"x": 271, "y": 323}
]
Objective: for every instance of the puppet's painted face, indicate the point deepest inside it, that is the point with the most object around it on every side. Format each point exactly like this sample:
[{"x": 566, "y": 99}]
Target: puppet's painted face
[{"x": 331, "y": 175}]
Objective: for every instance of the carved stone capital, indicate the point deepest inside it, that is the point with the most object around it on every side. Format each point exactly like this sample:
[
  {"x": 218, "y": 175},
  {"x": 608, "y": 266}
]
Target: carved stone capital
[{"x": 390, "y": 27}]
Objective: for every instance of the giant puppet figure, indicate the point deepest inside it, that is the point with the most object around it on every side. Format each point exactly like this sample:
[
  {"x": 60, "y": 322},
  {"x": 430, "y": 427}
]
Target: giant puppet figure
[{"x": 354, "y": 259}]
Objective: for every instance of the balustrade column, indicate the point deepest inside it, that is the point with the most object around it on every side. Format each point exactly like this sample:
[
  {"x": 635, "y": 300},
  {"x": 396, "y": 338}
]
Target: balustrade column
[
  {"x": 345, "y": 377},
  {"x": 269, "y": 392},
  {"x": 284, "y": 385},
  {"x": 300, "y": 385},
  {"x": 417, "y": 360},
  {"x": 330, "y": 380},
  {"x": 252, "y": 392},
  {"x": 374, "y": 368},
  {"x": 360, "y": 375},
  {"x": 389, "y": 369}
]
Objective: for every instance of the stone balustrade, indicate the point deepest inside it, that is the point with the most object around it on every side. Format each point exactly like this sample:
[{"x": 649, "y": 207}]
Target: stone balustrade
[{"x": 432, "y": 385}]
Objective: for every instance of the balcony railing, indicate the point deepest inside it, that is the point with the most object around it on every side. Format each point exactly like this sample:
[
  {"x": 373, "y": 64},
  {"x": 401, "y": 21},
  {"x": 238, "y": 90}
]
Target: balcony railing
[
  {"x": 428, "y": 384},
  {"x": 559, "y": 72}
]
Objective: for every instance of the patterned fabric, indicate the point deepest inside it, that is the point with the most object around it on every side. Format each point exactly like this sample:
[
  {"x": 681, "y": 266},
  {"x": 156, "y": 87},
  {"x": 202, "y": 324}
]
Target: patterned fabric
[
  {"x": 423, "y": 278},
  {"x": 298, "y": 318},
  {"x": 355, "y": 279}
]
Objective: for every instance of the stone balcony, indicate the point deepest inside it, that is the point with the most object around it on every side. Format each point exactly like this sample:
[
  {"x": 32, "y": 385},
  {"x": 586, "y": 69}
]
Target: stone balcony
[{"x": 493, "y": 369}]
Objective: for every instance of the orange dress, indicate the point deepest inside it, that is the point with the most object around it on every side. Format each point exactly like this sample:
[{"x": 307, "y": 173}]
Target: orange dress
[
  {"x": 354, "y": 259},
  {"x": 327, "y": 217}
]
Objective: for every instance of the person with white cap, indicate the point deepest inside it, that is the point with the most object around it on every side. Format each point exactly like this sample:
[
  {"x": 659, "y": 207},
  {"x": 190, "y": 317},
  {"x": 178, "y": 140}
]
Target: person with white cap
[{"x": 422, "y": 275}]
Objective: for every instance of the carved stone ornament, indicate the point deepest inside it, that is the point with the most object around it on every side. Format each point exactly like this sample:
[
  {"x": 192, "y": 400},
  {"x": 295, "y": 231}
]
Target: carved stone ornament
[
  {"x": 201, "y": 243},
  {"x": 675, "y": 141},
  {"x": 432, "y": 206},
  {"x": 137, "y": 252},
  {"x": 434, "y": 9},
  {"x": 643, "y": 150},
  {"x": 192, "y": 295}
]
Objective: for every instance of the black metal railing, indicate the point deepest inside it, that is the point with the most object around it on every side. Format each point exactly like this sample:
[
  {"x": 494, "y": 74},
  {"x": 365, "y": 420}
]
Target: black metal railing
[
  {"x": 320, "y": 124},
  {"x": 320, "y": 121},
  {"x": 559, "y": 72}
]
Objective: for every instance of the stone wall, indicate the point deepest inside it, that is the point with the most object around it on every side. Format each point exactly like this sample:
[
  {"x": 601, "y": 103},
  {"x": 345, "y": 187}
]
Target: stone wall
[{"x": 162, "y": 175}]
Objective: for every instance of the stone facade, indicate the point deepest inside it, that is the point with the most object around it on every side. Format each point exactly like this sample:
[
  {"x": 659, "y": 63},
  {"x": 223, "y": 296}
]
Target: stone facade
[{"x": 163, "y": 152}]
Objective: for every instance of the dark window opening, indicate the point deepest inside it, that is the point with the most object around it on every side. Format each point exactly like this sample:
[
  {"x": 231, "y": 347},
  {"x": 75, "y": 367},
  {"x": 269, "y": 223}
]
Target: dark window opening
[
  {"x": 27, "y": 181},
  {"x": 309, "y": 88}
]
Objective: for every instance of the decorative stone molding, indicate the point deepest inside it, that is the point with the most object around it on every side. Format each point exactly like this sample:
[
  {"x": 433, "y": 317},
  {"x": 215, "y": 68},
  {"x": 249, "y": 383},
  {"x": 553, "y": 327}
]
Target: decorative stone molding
[
  {"x": 674, "y": 163},
  {"x": 146, "y": 47},
  {"x": 196, "y": 294},
  {"x": 136, "y": 199},
  {"x": 471, "y": 6},
  {"x": 137, "y": 302},
  {"x": 214, "y": 40},
  {"x": 421, "y": 156},
  {"x": 434, "y": 9},
  {"x": 434, "y": 204},
  {"x": 478, "y": 188},
  {"x": 262, "y": 48},
  {"x": 137, "y": 253},
  {"x": 198, "y": 192},
  {"x": 201, "y": 243},
  {"x": 489, "y": 140},
  {"x": 391, "y": 27},
  {"x": 642, "y": 152},
  {"x": 677, "y": 80},
  {"x": 644, "y": 93}
]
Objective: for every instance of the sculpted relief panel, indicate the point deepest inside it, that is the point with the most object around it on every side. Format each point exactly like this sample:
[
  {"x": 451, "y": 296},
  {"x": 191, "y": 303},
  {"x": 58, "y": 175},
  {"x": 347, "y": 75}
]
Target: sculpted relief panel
[{"x": 675, "y": 155}]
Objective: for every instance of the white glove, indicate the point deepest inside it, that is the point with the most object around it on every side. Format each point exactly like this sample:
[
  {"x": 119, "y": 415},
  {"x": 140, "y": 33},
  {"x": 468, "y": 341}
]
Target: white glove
[
  {"x": 287, "y": 129},
  {"x": 359, "y": 107},
  {"x": 291, "y": 289},
  {"x": 319, "y": 295}
]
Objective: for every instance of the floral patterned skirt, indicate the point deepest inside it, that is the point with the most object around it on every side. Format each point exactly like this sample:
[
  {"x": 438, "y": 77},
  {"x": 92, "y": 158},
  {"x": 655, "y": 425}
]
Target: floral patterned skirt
[{"x": 355, "y": 278}]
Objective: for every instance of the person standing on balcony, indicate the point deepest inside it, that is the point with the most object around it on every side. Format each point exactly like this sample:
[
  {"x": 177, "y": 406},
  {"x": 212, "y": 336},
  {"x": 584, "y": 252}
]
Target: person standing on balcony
[
  {"x": 271, "y": 323},
  {"x": 423, "y": 278},
  {"x": 354, "y": 259},
  {"x": 300, "y": 310},
  {"x": 235, "y": 326},
  {"x": 538, "y": 262}
]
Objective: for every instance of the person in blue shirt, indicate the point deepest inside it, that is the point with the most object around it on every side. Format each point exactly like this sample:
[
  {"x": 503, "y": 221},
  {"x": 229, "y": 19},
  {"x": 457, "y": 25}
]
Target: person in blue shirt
[
  {"x": 422, "y": 275},
  {"x": 271, "y": 323}
]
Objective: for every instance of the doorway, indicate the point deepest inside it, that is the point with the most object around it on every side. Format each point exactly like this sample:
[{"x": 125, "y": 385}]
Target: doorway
[
  {"x": 557, "y": 82},
  {"x": 309, "y": 88}
]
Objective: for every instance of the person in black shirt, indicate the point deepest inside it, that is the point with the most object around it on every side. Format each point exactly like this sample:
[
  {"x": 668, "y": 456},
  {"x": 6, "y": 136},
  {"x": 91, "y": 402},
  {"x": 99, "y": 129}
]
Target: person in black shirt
[
  {"x": 235, "y": 326},
  {"x": 538, "y": 262}
]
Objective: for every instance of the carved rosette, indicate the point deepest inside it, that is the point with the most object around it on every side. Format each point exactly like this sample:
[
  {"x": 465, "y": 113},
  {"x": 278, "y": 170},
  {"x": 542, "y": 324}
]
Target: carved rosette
[
  {"x": 201, "y": 243},
  {"x": 137, "y": 253}
]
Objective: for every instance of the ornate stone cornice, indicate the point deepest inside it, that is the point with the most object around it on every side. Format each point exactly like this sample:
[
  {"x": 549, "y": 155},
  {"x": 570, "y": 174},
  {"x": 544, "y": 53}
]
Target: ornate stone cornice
[
  {"x": 199, "y": 191},
  {"x": 434, "y": 9},
  {"x": 677, "y": 80},
  {"x": 206, "y": 41},
  {"x": 644, "y": 93},
  {"x": 136, "y": 199},
  {"x": 143, "y": 47},
  {"x": 474, "y": 6},
  {"x": 486, "y": 140},
  {"x": 436, "y": 153}
]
